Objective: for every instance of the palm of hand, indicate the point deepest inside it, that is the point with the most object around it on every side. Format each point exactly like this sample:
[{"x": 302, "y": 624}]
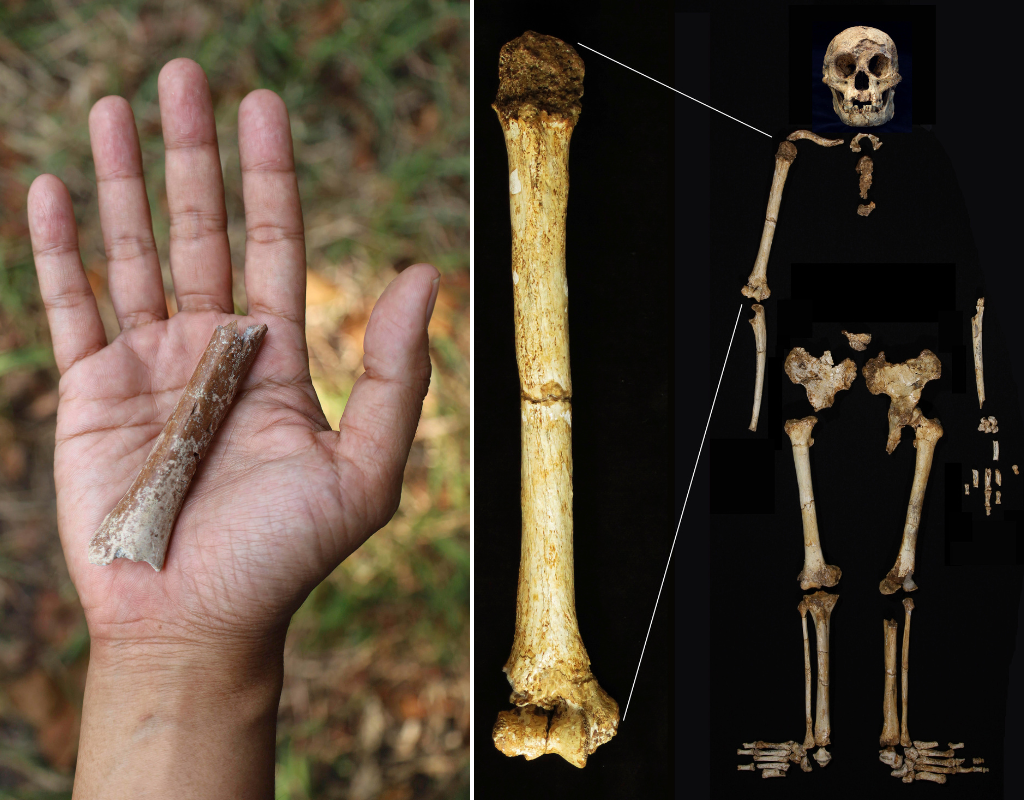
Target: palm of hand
[{"x": 279, "y": 499}]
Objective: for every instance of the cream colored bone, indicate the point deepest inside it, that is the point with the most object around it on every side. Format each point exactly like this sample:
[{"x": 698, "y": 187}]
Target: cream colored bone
[
  {"x": 809, "y": 730},
  {"x": 999, "y": 498},
  {"x": 560, "y": 706},
  {"x": 855, "y": 142},
  {"x": 865, "y": 166},
  {"x": 903, "y": 383},
  {"x": 989, "y": 425},
  {"x": 995, "y": 450},
  {"x": 760, "y": 344},
  {"x": 820, "y": 377},
  {"x": 908, "y": 606},
  {"x": 890, "y": 724},
  {"x": 816, "y": 572},
  {"x": 811, "y": 136},
  {"x": 858, "y": 341},
  {"x": 927, "y": 433},
  {"x": 757, "y": 282},
  {"x": 820, "y": 604},
  {"x": 967, "y": 488},
  {"x": 999, "y": 477},
  {"x": 865, "y": 210},
  {"x": 979, "y": 366},
  {"x": 974, "y": 476},
  {"x": 988, "y": 491},
  {"x": 822, "y": 756}
]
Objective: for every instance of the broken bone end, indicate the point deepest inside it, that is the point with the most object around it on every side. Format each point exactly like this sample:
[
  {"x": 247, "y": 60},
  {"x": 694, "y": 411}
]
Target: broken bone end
[
  {"x": 892, "y": 583},
  {"x": 537, "y": 75},
  {"x": 826, "y": 575},
  {"x": 756, "y": 289}
]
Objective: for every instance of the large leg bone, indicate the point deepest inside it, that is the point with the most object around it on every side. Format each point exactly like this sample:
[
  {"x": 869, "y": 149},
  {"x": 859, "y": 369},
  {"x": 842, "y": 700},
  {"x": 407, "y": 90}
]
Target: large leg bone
[
  {"x": 757, "y": 282},
  {"x": 903, "y": 383},
  {"x": 908, "y": 606},
  {"x": 760, "y": 342},
  {"x": 809, "y": 731},
  {"x": 927, "y": 433},
  {"x": 561, "y": 707},
  {"x": 820, "y": 604},
  {"x": 979, "y": 366},
  {"x": 890, "y": 724},
  {"x": 816, "y": 572}
]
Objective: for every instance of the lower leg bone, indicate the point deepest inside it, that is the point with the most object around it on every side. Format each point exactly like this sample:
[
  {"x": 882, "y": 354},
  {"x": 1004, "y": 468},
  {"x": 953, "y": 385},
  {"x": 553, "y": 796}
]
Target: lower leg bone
[
  {"x": 908, "y": 605},
  {"x": 760, "y": 343},
  {"x": 927, "y": 433},
  {"x": 809, "y": 731},
  {"x": 816, "y": 572},
  {"x": 820, "y": 604},
  {"x": 890, "y": 725}
]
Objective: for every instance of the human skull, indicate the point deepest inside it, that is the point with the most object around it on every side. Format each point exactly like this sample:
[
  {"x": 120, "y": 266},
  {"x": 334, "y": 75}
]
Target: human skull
[{"x": 861, "y": 68}]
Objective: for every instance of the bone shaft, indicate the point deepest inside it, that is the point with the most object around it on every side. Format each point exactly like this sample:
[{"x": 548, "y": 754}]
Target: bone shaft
[
  {"x": 979, "y": 367},
  {"x": 988, "y": 491},
  {"x": 890, "y": 725},
  {"x": 822, "y": 723},
  {"x": 922, "y": 469},
  {"x": 771, "y": 217},
  {"x": 760, "y": 344},
  {"x": 139, "y": 527},
  {"x": 814, "y": 561},
  {"x": 905, "y": 739},
  {"x": 809, "y": 732}
]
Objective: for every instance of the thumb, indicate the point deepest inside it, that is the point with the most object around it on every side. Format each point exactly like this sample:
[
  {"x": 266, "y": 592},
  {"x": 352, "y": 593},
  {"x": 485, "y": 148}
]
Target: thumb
[{"x": 381, "y": 415}]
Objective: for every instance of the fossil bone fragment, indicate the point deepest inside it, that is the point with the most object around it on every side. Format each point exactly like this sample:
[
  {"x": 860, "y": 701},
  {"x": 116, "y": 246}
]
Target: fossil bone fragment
[
  {"x": 820, "y": 604},
  {"x": 927, "y": 432},
  {"x": 865, "y": 210},
  {"x": 560, "y": 706},
  {"x": 999, "y": 477},
  {"x": 855, "y": 142},
  {"x": 816, "y": 572},
  {"x": 821, "y": 378},
  {"x": 811, "y": 136},
  {"x": 760, "y": 344},
  {"x": 903, "y": 383},
  {"x": 865, "y": 166},
  {"x": 746, "y": 767},
  {"x": 908, "y": 606},
  {"x": 858, "y": 341},
  {"x": 922, "y": 775},
  {"x": 999, "y": 498},
  {"x": 757, "y": 282},
  {"x": 988, "y": 491},
  {"x": 919, "y": 745},
  {"x": 974, "y": 475},
  {"x": 890, "y": 724},
  {"x": 1015, "y": 470},
  {"x": 774, "y": 773},
  {"x": 861, "y": 69},
  {"x": 809, "y": 730},
  {"x": 979, "y": 366},
  {"x": 989, "y": 425},
  {"x": 140, "y": 525},
  {"x": 959, "y": 746},
  {"x": 967, "y": 488},
  {"x": 995, "y": 450},
  {"x": 889, "y": 756},
  {"x": 822, "y": 756}
]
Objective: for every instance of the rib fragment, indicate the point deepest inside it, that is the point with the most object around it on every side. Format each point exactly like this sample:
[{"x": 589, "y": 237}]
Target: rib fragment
[
  {"x": 979, "y": 366},
  {"x": 821, "y": 379},
  {"x": 760, "y": 344},
  {"x": 140, "y": 525}
]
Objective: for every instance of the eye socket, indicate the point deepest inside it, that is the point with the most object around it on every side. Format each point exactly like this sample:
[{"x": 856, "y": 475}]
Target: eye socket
[
  {"x": 878, "y": 65},
  {"x": 846, "y": 64}
]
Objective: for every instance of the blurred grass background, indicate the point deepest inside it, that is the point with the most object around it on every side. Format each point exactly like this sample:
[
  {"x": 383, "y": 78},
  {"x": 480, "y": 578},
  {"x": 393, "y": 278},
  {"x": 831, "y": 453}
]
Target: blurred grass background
[{"x": 376, "y": 694}]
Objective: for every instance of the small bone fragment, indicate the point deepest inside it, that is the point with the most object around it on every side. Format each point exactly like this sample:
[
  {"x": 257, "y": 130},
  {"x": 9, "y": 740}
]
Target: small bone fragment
[
  {"x": 805, "y": 765},
  {"x": 820, "y": 604},
  {"x": 855, "y": 143},
  {"x": 934, "y": 753},
  {"x": 858, "y": 341},
  {"x": 977, "y": 761},
  {"x": 891, "y": 757},
  {"x": 865, "y": 210},
  {"x": 760, "y": 344},
  {"x": 821, "y": 378},
  {"x": 773, "y": 773},
  {"x": 822, "y": 756},
  {"x": 999, "y": 477},
  {"x": 908, "y": 606},
  {"x": 773, "y": 759},
  {"x": 922, "y": 767},
  {"x": 890, "y": 724},
  {"x": 140, "y": 525},
  {"x": 809, "y": 731},
  {"x": 989, "y": 425},
  {"x": 958, "y": 746},
  {"x": 995, "y": 450},
  {"x": 928, "y": 776},
  {"x": 816, "y": 572},
  {"x": 979, "y": 366},
  {"x": 903, "y": 770},
  {"x": 927, "y": 433},
  {"x": 796, "y": 135},
  {"x": 746, "y": 767},
  {"x": 988, "y": 491},
  {"x": 864, "y": 169},
  {"x": 1015, "y": 470},
  {"x": 781, "y": 767},
  {"x": 941, "y": 762},
  {"x": 757, "y": 282},
  {"x": 967, "y": 488},
  {"x": 974, "y": 475},
  {"x": 903, "y": 383},
  {"x": 999, "y": 498},
  {"x": 560, "y": 707},
  {"x": 919, "y": 745},
  {"x": 759, "y": 745},
  {"x": 971, "y": 769},
  {"x": 771, "y": 754}
]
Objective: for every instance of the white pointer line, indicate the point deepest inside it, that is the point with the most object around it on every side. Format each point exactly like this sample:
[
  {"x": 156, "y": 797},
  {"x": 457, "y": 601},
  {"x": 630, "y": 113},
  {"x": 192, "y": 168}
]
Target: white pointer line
[
  {"x": 679, "y": 525},
  {"x": 638, "y": 72}
]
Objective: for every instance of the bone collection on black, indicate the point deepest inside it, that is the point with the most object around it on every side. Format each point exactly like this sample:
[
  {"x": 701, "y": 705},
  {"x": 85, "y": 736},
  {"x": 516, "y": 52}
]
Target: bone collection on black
[{"x": 853, "y": 51}]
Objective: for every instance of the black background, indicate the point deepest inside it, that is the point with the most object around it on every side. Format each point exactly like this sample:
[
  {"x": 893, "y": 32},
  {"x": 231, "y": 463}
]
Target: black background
[
  {"x": 620, "y": 244},
  {"x": 909, "y": 274}
]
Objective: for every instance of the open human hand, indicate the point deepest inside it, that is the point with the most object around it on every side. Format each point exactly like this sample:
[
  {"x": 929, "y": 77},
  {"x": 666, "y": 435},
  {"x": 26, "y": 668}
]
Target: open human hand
[{"x": 280, "y": 499}]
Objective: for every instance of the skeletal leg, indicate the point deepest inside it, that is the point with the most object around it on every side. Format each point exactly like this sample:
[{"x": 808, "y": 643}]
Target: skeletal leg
[
  {"x": 815, "y": 572},
  {"x": 760, "y": 343},
  {"x": 809, "y": 731},
  {"x": 820, "y": 604},
  {"x": 927, "y": 433},
  {"x": 890, "y": 725},
  {"x": 979, "y": 366},
  {"x": 908, "y": 606},
  {"x": 757, "y": 282}
]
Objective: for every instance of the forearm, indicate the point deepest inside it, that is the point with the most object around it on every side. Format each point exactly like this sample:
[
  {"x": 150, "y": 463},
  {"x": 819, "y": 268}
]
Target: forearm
[{"x": 179, "y": 725}]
